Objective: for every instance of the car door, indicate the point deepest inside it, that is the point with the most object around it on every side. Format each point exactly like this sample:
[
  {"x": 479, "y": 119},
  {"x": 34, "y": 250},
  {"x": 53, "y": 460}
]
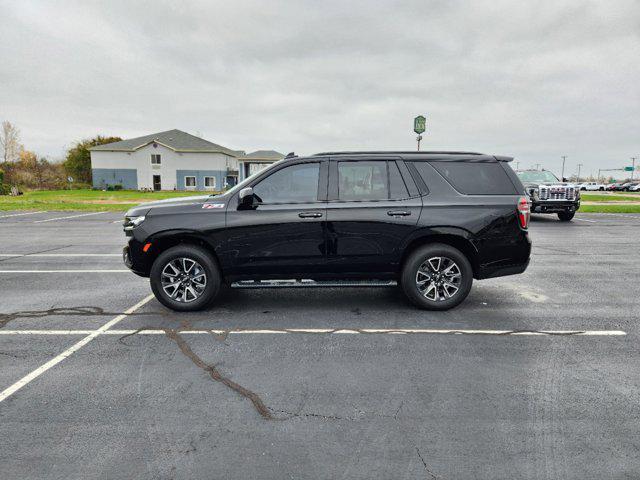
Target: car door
[
  {"x": 371, "y": 208},
  {"x": 283, "y": 236}
]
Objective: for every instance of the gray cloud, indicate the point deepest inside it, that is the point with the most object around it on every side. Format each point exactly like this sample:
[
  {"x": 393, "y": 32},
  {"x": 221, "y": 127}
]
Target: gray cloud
[{"x": 531, "y": 79}]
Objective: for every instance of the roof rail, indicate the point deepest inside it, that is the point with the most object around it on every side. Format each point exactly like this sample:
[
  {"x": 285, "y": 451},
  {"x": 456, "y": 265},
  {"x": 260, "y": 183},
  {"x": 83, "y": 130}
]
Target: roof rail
[{"x": 396, "y": 152}]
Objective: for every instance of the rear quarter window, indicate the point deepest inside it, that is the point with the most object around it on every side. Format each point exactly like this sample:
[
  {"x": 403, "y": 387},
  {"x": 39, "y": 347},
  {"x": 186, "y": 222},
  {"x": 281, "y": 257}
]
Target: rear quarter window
[{"x": 473, "y": 178}]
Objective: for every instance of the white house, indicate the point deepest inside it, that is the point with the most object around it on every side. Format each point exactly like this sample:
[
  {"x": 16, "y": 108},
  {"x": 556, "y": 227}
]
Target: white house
[
  {"x": 255, "y": 161},
  {"x": 171, "y": 160}
]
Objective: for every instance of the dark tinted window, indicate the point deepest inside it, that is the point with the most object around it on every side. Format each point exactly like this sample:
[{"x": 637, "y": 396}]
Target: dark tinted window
[
  {"x": 472, "y": 178},
  {"x": 294, "y": 184},
  {"x": 362, "y": 181},
  {"x": 397, "y": 187}
]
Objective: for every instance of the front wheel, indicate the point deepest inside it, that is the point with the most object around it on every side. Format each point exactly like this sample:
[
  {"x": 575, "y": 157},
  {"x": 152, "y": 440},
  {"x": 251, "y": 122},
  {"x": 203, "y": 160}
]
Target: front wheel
[
  {"x": 436, "y": 277},
  {"x": 185, "y": 278},
  {"x": 566, "y": 216}
]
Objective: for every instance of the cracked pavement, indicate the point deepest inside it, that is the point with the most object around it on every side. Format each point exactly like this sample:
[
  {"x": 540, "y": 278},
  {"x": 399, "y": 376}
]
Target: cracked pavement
[{"x": 323, "y": 405}]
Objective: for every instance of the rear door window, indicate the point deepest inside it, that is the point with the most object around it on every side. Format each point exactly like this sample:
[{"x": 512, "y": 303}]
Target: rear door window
[
  {"x": 472, "y": 178},
  {"x": 363, "y": 181}
]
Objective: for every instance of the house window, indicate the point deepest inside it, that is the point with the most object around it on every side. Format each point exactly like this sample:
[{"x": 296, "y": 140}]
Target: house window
[
  {"x": 190, "y": 182},
  {"x": 155, "y": 159},
  {"x": 210, "y": 182}
]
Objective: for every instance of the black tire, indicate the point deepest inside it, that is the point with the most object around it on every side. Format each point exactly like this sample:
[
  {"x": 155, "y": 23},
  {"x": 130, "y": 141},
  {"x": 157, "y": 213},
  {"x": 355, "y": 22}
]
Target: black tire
[
  {"x": 203, "y": 260},
  {"x": 418, "y": 259},
  {"x": 566, "y": 216}
]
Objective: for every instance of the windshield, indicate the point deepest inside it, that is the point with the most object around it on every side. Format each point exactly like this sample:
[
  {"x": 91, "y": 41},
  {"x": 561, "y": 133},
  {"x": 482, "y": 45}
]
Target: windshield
[
  {"x": 246, "y": 181},
  {"x": 535, "y": 176}
]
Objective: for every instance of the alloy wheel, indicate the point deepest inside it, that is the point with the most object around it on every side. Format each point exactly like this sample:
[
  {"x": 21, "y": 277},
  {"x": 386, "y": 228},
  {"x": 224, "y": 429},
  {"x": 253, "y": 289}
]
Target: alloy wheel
[
  {"x": 438, "y": 279},
  {"x": 183, "y": 280}
]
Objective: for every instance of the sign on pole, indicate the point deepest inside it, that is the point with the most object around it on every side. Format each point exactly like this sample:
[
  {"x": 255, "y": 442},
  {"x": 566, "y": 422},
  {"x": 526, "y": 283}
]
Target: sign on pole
[
  {"x": 628, "y": 169},
  {"x": 419, "y": 124}
]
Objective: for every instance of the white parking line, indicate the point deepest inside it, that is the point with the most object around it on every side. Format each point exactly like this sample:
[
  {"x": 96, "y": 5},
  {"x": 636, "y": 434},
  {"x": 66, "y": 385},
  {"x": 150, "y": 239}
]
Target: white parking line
[
  {"x": 585, "y": 220},
  {"x": 21, "y": 214},
  {"x": 65, "y": 271},
  {"x": 70, "y": 216},
  {"x": 69, "y": 351},
  {"x": 18, "y": 255},
  {"x": 331, "y": 331}
]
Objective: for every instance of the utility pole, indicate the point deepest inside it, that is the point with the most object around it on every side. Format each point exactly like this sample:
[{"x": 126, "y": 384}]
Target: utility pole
[
  {"x": 517, "y": 165},
  {"x": 537, "y": 166},
  {"x": 564, "y": 157},
  {"x": 578, "y": 180},
  {"x": 633, "y": 166}
]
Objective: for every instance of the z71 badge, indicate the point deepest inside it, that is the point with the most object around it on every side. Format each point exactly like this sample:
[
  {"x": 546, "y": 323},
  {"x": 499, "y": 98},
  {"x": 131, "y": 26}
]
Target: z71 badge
[{"x": 213, "y": 205}]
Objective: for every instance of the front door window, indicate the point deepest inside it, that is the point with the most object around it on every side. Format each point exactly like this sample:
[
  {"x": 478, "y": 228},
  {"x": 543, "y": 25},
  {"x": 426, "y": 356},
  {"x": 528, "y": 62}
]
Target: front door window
[
  {"x": 294, "y": 184},
  {"x": 157, "y": 183}
]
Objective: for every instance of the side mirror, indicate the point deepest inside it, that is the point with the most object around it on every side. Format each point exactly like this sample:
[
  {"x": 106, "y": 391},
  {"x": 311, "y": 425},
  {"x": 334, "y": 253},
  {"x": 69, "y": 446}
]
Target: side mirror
[{"x": 246, "y": 199}]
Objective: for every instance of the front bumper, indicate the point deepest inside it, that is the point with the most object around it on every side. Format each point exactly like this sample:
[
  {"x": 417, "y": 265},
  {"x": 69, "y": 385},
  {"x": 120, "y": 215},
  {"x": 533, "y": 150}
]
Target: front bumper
[
  {"x": 554, "y": 206},
  {"x": 135, "y": 259}
]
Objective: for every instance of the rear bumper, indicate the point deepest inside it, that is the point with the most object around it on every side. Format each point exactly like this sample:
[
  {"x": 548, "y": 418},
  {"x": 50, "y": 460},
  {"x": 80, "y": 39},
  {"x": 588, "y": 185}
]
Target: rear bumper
[
  {"x": 503, "y": 271},
  {"x": 517, "y": 262}
]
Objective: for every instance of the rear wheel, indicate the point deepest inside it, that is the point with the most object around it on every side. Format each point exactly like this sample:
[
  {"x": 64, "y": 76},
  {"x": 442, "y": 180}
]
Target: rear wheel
[
  {"x": 437, "y": 277},
  {"x": 185, "y": 278},
  {"x": 566, "y": 216}
]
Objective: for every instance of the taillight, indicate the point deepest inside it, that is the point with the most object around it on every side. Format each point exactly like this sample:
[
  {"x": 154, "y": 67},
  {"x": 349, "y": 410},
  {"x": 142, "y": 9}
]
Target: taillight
[{"x": 524, "y": 212}]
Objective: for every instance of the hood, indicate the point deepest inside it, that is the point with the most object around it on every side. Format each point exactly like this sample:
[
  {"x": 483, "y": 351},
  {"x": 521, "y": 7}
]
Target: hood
[
  {"x": 143, "y": 208},
  {"x": 169, "y": 202},
  {"x": 547, "y": 184}
]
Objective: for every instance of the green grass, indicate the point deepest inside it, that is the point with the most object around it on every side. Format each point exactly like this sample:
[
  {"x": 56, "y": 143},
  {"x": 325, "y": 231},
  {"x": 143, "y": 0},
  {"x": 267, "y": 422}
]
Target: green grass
[
  {"x": 595, "y": 197},
  {"x": 609, "y": 208},
  {"x": 90, "y": 200}
]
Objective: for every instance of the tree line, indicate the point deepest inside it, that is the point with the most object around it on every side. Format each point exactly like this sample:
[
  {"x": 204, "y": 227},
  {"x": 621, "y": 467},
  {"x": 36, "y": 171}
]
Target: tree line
[{"x": 23, "y": 168}]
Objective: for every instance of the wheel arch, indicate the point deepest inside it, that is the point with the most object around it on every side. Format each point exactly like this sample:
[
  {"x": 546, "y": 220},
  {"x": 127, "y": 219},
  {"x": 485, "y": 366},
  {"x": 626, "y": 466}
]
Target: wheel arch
[
  {"x": 452, "y": 237},
  {"x": 162, "y": 241}
]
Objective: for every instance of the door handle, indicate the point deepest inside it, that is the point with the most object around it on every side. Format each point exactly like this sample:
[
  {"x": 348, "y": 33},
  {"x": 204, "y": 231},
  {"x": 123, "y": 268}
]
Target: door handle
[
  {"x": 309, "y": 214},
  {"x": 398, "y": 213}
]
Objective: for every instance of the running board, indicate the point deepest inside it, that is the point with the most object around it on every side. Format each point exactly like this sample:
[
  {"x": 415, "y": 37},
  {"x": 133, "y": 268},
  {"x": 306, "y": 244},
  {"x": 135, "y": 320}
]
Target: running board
[{"x": 312, "y": 283}]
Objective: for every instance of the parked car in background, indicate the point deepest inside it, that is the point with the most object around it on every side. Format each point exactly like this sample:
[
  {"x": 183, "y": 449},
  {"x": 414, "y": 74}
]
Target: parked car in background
[
  {"x": 635, "y": 188},
  {"x": 548, "y": 194},
  {"x": 612, "y": 187},
  {"x": 592, "y": 186},
  {"x": 619, "y": 187},
  {"x": 428, "y": 221}
]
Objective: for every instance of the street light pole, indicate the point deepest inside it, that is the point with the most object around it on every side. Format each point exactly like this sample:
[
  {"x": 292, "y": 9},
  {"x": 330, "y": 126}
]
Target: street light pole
[
  {"x": 564, "y": 157},
  {"x": 578, "y": 180},
  {"x": 633, "y": 166}
]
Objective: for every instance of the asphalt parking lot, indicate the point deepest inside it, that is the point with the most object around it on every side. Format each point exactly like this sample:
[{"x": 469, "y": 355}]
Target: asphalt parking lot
[{"x": 318, "y": 383}]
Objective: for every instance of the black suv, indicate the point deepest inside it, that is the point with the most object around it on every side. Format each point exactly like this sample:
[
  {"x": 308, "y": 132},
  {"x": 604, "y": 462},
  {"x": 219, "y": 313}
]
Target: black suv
[{"x": 430, "y": 221}]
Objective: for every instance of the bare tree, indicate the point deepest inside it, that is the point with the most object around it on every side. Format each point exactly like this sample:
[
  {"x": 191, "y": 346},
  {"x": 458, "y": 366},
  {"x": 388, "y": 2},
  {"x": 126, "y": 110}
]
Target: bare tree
[{"x": 10, "y": 141}]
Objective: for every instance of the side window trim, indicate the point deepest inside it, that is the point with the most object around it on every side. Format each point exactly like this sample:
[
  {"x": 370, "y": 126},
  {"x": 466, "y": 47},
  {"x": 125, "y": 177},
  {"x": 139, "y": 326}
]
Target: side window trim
[
  {"x": 422, "y": 187},
  {"x": 321, "y": 171},
  {"x": 408, "y": 179}
]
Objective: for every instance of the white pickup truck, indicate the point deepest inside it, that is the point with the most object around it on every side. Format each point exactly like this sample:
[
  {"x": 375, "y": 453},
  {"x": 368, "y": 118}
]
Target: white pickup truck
[{"x": 592, "y": 186}]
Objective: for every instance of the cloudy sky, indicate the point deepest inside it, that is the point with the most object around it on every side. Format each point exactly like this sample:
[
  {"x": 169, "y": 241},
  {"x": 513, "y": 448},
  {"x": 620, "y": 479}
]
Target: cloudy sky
[{"x": 535, "y": 80}]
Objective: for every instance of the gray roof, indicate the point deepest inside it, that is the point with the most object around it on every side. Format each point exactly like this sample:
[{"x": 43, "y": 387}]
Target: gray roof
[
  {"x": 174, "y": 139},
  {"x": 270, "y": 155}
]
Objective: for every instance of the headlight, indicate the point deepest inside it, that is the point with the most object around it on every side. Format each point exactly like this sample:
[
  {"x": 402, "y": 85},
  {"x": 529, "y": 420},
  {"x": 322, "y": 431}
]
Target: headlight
[{"x": 131, "y": 222}]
